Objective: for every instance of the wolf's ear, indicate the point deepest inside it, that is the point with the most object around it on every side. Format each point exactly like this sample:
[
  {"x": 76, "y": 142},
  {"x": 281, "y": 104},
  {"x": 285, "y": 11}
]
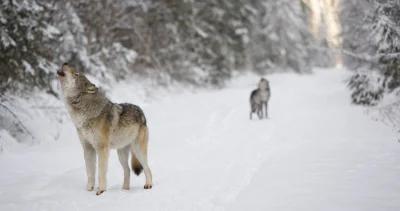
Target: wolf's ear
[{"x": 91, "y": 89}]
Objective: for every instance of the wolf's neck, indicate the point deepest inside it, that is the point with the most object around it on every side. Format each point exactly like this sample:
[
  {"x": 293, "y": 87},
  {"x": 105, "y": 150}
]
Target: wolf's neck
[{"x": 84, "y": 107}]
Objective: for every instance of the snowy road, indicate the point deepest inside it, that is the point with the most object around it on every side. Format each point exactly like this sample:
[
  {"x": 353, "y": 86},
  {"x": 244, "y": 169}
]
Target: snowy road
[{"x": 316, "y": 152}]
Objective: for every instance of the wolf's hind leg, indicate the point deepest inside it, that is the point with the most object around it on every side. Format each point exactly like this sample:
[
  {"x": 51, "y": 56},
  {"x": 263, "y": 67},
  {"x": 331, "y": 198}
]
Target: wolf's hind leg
[
  {"x": 123, "y": 155},
  {"x": 139, "y": 149},
  {"x": 253, "y": 108},
  {"x": 142, "y": 158},
  {"x": 90, "y": 161}
]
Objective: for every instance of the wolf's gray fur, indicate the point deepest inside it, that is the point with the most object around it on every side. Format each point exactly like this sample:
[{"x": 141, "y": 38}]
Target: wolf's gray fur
[
  {"x": 103, "y": 125},
  {"x": 259, "y": 99}
]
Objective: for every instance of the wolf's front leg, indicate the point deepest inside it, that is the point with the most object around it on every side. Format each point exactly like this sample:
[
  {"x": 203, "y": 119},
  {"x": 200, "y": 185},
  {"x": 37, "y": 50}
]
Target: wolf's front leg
[
  {"x": 103, "y": 153},
  {"x": 266, "y": 110},
  {"x": 90, "y": 161},
  {"x": 260, "y": 111}
]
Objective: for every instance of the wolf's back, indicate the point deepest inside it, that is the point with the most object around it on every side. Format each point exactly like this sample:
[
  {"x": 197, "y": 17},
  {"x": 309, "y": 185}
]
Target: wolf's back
[
  {"x": 131, "y": 114},
  {"x": 253, "y": 95}
]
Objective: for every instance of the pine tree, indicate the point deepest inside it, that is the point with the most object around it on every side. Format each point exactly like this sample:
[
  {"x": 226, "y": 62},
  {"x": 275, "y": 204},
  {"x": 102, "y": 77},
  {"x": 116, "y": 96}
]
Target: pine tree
[
  {"x": 380, "y": 50},
  {"x": 282, "y": 37},
  {"x": 386, "y": 31},
  {"x": 25, "y": 40}
]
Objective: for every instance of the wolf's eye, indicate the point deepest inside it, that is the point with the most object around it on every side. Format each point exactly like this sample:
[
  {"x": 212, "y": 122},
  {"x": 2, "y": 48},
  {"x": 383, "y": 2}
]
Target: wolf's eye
[{"x": 76, "y": 74}]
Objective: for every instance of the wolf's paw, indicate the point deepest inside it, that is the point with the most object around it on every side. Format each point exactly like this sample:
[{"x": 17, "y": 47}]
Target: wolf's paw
[
  {"x": 148, "y": 186},
  {"x": 125, "y": 187},
  {"x": 99, "y": 192},
  {"x": 90, "y": 187}
]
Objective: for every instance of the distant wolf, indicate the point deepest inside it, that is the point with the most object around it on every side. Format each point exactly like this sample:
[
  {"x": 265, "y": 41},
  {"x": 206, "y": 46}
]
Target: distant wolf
[
  {"x": 103, "y": 125},
  {"x": 259, "y": 99}
]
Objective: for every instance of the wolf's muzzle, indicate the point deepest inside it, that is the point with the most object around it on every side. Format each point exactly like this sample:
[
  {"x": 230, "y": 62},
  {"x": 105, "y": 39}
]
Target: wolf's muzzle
[{"x": 60, "y": 73}]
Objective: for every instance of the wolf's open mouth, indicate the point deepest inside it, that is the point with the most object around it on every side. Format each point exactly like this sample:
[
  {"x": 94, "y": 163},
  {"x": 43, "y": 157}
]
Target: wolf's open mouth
[{"x": 60, "y": 73}]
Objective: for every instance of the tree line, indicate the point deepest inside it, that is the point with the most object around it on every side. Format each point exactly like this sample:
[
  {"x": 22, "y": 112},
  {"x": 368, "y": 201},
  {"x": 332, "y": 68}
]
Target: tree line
[{"x": 197, "y": 42}]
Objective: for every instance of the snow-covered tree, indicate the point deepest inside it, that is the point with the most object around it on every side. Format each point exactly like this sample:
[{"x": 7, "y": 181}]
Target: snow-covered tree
[
  {"x": 386, "y": 37},
  {"x": 282, "y": 37},
  {"x": 26, "y": 40},
  {"x": 356, "y": 24},
  {"x": 378, "y": 53},
  {"x": 199, "y": 42}
]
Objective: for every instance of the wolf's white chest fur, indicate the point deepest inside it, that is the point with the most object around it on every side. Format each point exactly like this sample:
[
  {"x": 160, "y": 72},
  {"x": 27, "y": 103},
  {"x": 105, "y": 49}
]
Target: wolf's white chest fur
[
  {"x": 264, "y": 95},
  {"x": 77, "y": 119}
]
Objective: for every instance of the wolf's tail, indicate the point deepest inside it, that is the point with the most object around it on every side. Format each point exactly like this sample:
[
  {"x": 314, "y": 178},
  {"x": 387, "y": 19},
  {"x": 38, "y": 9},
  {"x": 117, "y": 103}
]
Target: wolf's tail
[
  {"x": 136, "y": 166},
  {"x": 143, "y": 139}
]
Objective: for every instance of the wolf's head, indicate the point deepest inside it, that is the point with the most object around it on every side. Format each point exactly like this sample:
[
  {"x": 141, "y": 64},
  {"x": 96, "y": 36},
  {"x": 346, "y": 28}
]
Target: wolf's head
[
  {"x": 73, "y": 82},
  {"x": 263, "y": 84}
]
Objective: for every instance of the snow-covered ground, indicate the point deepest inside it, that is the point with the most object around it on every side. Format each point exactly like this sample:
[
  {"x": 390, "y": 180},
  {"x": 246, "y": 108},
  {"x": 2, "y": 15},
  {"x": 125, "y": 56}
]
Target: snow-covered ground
[{"x": 315, "y": 152}]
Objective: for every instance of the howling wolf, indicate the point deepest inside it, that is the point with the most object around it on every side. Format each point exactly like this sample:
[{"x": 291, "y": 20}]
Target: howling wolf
[{"x": 103, "y": 125}]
